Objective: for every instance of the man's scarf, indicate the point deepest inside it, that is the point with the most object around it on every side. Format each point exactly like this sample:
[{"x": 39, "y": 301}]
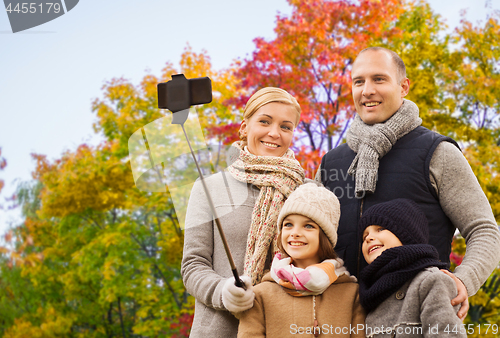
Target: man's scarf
[{"x": 372, "y": 142}]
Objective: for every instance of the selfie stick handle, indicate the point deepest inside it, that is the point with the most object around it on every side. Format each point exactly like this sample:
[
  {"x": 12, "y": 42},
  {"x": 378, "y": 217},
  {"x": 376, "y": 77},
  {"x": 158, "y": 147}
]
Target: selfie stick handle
[{"x": 238, "y": 281}]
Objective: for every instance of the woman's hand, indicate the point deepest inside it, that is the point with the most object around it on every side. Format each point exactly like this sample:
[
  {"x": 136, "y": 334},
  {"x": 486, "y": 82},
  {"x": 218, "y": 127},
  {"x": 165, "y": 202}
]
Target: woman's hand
[
  {"x": 462, "y": 296},
  {"x": 237, "y": 299}
]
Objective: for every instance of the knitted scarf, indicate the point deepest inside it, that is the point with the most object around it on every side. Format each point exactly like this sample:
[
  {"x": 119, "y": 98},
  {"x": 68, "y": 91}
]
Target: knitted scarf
[
  {"x": 276, "y": 177},
  {"x": 313, "y": 280},
  {"x": 392, "y": 269},
  {"x": 372, "y": 142}
]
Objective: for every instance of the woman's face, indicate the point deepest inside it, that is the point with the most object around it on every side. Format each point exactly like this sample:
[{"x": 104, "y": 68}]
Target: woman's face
[{"x": 269, "y": 131}]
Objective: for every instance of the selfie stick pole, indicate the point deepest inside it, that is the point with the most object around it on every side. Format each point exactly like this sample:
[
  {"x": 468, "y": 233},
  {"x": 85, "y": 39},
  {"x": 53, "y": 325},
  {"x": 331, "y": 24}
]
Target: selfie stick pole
[{"x": 180, "y": 118}]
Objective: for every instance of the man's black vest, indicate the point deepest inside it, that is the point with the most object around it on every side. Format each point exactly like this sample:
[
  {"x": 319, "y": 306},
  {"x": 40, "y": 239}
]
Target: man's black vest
[{"x": 403, "y": 173}]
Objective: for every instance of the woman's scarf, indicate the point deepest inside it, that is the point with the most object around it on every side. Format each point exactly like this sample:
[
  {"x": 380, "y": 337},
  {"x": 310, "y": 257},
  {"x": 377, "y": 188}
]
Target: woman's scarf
[
  {"x": 372, "y": 142},
  {"x": 392, "y": 269},
  {"x": 313, "y": 280},
  {"x": 277, "y": 178}
]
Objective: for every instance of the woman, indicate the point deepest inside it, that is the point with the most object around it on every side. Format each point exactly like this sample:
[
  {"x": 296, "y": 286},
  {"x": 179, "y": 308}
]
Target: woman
[{"x": 260, "y": 179}]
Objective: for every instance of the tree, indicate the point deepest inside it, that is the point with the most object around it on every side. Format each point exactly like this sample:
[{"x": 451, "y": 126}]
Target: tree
[
  {"x": 315, "y": 46},
  {"x": 483, "y": 313},
  {"x": 3, "y": 163},
  {"x": 473, "y": 82},
  {"x": 98, "y": 257},
  {"x": 424, "y": 50},
  {"x": 311, "y": 58}
]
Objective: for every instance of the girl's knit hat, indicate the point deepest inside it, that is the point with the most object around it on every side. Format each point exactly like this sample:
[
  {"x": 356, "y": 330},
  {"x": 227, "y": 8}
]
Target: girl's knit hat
[
  {"x": 319, "y": 204},
  {"x": 403, "y": 217}
]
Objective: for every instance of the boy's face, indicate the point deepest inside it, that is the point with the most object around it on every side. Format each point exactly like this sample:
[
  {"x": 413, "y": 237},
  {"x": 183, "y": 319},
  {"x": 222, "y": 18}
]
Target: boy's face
[
  {"x": 300, "y": 240},
  {"x": 376, "y": 240}
]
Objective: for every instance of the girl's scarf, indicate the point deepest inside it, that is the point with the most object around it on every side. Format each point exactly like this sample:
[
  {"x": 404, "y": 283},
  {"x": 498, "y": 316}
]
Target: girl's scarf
[
  {"x": 276, "y": 177},
  {"x": 392, "y": 269},
  {"x": 313, "y": 280},
  {"x": 372, "y": 142}
]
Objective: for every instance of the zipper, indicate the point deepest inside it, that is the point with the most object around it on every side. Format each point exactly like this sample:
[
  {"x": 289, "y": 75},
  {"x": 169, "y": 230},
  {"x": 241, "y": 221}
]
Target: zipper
[{"x": 316, "y": 329}]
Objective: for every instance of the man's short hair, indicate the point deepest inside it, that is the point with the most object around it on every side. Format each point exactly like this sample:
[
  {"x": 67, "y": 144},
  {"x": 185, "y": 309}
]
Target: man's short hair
[{"x": 400, "y": 65}]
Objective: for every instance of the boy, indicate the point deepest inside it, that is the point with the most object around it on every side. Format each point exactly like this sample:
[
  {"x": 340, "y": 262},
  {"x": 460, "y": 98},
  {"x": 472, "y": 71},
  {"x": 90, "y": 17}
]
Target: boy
[{"x": 402, "y": 289}]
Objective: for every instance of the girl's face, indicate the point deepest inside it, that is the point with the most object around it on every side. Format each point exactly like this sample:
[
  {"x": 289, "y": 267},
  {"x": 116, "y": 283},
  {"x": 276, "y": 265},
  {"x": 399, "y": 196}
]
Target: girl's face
[
  {"x": 376, "y": 240},
  {"x": 300, "y": 240},
  {"x": 269, "y": 131}
]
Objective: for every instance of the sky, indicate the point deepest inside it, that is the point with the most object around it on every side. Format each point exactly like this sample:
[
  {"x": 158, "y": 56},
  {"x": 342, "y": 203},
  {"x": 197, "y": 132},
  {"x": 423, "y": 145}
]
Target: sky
[{"x": 50, "y": 74}]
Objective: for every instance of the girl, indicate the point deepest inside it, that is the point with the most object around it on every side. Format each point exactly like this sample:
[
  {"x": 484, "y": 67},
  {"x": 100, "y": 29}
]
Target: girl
[{"x": 307, "y": 291}]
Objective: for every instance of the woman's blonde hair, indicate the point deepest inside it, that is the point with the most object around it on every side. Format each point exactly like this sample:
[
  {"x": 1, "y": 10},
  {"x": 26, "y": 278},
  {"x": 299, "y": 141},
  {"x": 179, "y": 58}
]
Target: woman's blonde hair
[{"x": 267, "y": 95}]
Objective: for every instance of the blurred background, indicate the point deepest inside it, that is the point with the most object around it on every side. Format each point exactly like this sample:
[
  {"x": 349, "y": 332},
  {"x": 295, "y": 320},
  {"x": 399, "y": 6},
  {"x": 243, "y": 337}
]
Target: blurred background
[{"x": 86, "y": 254}]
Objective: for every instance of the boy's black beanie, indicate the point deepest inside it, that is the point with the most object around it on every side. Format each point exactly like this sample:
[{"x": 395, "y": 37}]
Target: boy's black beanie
[{"x": 402, "y": 217}]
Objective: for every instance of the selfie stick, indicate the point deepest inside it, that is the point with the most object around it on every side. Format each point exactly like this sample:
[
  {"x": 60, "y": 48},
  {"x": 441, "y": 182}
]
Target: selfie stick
[{"x": 179, "y": 117}]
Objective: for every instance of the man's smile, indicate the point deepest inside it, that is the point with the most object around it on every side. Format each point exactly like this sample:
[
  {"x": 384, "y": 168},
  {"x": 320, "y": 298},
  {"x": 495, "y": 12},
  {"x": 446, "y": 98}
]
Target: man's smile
[{"x": 371, "y": 104}]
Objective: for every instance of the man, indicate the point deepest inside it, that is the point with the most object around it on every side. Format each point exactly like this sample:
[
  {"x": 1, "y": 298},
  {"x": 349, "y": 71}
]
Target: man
[{"x": 389, "y": 155}]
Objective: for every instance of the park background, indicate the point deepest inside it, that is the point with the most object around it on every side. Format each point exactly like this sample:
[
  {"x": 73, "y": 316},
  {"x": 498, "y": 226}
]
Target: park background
[{"x": 86, "y": 254}]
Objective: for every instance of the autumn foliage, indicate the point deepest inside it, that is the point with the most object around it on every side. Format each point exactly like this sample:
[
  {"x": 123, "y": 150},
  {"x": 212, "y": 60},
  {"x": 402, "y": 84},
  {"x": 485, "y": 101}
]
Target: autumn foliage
[
  {"x": 3, "y": 163},
  {"x": 96, "y": 257},
  {"x": 311, "y": 57}
]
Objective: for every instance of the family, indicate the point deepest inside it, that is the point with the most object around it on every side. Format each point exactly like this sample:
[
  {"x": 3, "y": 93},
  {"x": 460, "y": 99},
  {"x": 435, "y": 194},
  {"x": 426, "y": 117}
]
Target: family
[{"x": 361, "y": 251}]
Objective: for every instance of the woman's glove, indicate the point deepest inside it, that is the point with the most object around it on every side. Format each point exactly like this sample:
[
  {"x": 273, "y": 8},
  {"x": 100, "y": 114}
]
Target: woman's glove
[{"x": 237, "y": 299}]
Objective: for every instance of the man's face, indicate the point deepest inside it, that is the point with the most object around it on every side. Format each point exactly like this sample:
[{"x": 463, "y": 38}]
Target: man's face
[{"x": 376, "y": 92}]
